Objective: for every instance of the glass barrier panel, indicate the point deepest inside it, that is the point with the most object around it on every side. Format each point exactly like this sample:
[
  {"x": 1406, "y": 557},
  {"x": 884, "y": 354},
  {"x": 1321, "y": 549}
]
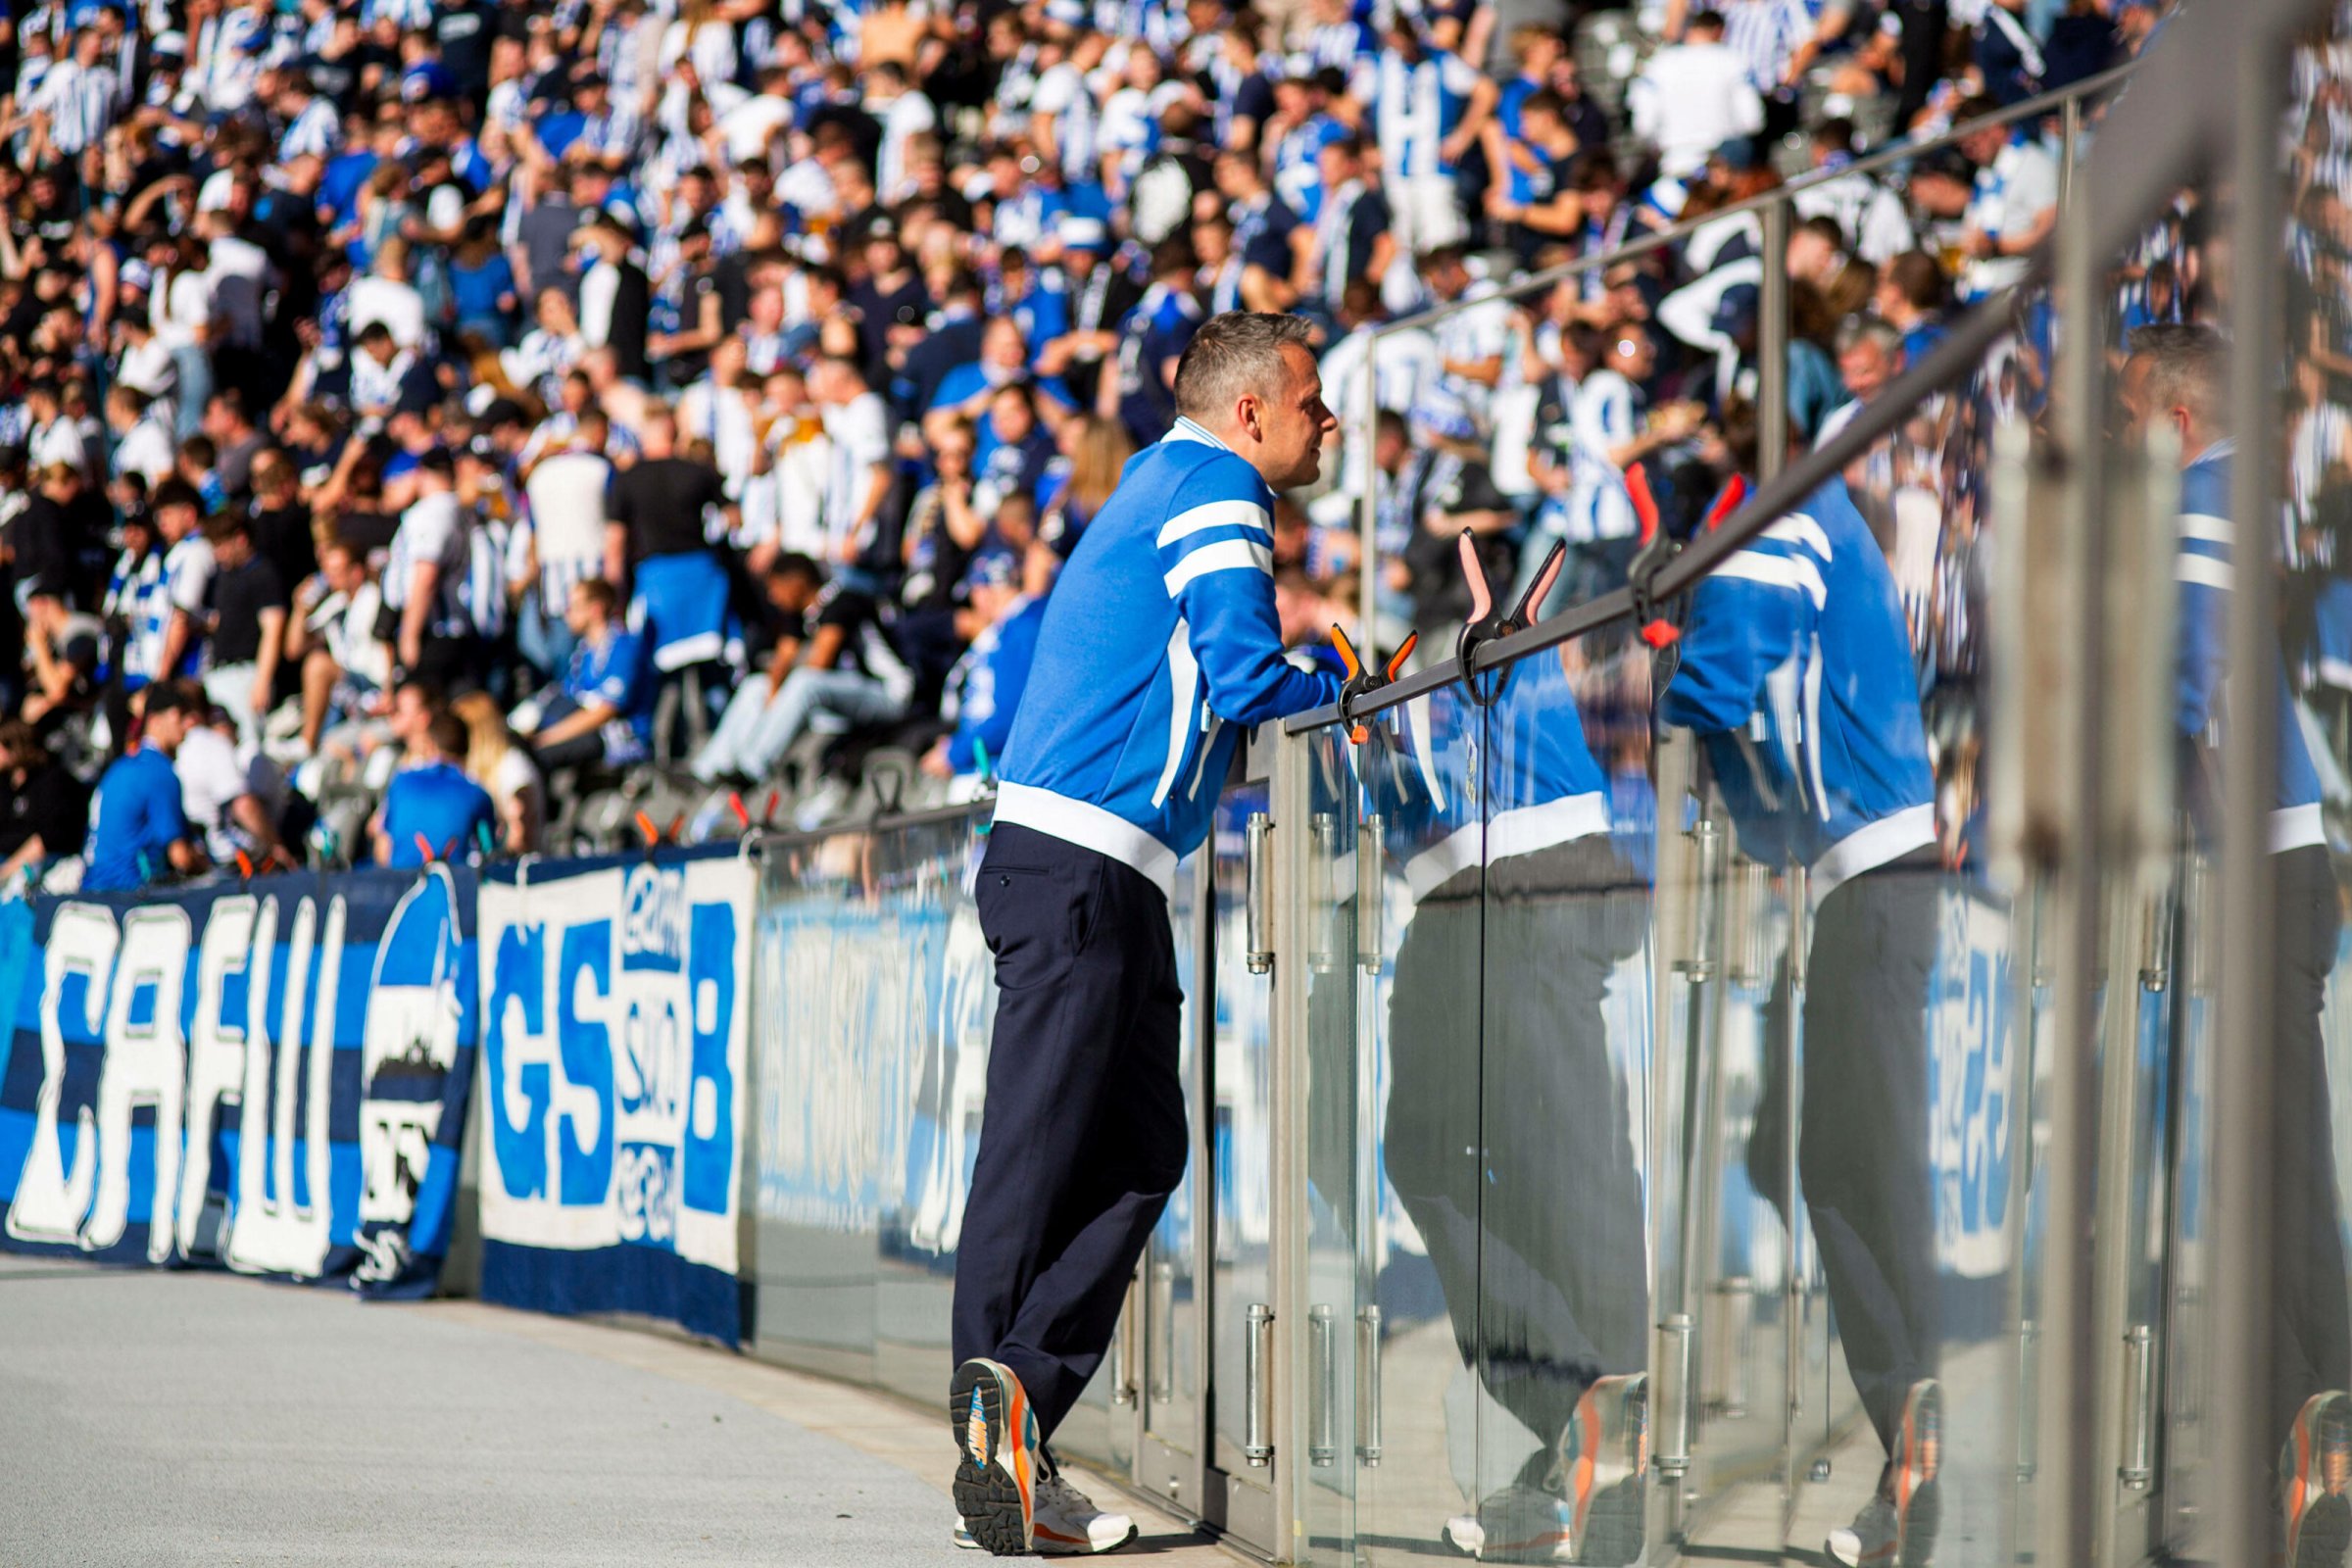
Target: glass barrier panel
[
  {"x": 1241, "y": 1145},
  {"x": 931, "y": 984},
  {"x": 816, "y": 1202},
  {"x": 1564, "y": 1366},
  {"x": 1846, "y": 984},
  {"x": 1419, "y": 1173},
  {"x": 2308, "y": 1407},
  {"x": 1336, "y": 1117},
  {"x": 1161, "y": 1338}
]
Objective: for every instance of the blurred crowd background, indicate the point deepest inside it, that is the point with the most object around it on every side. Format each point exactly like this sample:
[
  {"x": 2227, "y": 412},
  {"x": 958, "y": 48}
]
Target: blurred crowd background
[{"x": 480, "y": 428}]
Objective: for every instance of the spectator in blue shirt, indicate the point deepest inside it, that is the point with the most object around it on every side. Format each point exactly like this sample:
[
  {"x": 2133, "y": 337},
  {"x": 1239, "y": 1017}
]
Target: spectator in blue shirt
[
  {"x": 603, "y": 709},
  {"x": 1036, "y": 301},
  {"x": 432, "y": 811},
  {"x": 1155, "y": 338},
  {"x": 137, "y": 829},
  {"x": 1009, "y": 604}
]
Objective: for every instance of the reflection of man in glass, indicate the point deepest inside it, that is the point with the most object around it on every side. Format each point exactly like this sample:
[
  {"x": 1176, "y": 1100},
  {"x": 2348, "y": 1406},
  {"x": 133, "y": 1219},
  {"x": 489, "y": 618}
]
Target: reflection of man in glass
[
  {"x": 1536, "y": 1244},
  {"x": 2173, "y": 377},
  {"x": 1796, "y": 670}
]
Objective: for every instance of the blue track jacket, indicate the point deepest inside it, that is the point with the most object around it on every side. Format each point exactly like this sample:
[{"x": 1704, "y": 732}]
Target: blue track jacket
[{"x": 1159, "y": 640}]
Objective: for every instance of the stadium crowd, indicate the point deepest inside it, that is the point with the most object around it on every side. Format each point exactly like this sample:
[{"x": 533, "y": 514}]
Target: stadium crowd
[{"x": 419, "y": 424}]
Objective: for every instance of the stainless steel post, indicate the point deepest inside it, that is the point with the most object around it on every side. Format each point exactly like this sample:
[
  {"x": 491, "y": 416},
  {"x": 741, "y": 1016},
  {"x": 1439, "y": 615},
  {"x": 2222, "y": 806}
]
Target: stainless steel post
[
  {"x": 2075, "y": 1497},
  {"x": 2242, "y": 1227},
  {"x": 2070, "y": 133},
  {"x": 1772, "y": 345}
]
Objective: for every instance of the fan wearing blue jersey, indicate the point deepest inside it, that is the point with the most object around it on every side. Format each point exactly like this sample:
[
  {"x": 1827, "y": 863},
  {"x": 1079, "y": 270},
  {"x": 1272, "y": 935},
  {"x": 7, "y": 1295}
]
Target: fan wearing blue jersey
[
  {"x": 1796, "y": 674},
  {"x": 1159, "y": 646},
  {"x": 138, "y": 830},
  {"x": 603, "y": 710},
  {"x": 2173, "y": 377},
  {"x": 432, "y": 811}
]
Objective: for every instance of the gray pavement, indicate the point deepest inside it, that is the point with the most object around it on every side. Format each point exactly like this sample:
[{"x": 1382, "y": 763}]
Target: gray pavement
[{"x": 153, "y": 1418}]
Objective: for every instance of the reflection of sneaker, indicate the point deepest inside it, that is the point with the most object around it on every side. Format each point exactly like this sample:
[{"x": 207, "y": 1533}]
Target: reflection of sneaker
[
  {"x": 1518, "y": 1524},
  {"x": 1604, "y": 1459},
  {"x": 1898, "y": 1526},
  {"x": 2315, "y": 1468},
  {"x": 1871, "y": 1537},
  {"x": 1589, "y": 1509},
  {"x": 996, "y": 1431},
  {"x": 1066, "y": 1522}
]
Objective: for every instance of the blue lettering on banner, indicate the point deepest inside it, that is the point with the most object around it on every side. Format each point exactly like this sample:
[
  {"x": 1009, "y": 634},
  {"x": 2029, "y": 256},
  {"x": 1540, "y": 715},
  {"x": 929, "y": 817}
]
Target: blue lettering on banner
[
  {"x": 267, "y": 1076},
  {"x": 615, "y": 1042},
  {"x": 587, "y": 1048},
  {"x": 1974, "y": 1081}
]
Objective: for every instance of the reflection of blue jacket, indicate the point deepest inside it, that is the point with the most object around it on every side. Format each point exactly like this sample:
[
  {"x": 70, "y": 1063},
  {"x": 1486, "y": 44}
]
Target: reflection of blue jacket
[
  {"x": 1158, "y": 644},
  {"x": 1797, "y": 670},
  {"x": 2204, "y": 569},
  {"x": 1525, "y": 781}
]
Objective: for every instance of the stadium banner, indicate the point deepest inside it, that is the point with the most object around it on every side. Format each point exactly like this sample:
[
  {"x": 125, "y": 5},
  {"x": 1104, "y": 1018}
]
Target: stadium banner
[
  {"x": 1975, "y": 1078},
  {"x": 267, "y": 1076},
  {"x": 616, "y": 1004}
]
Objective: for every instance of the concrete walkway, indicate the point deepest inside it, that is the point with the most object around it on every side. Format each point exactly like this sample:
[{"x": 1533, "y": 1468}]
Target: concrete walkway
[{"x": 150, "y": 1419}]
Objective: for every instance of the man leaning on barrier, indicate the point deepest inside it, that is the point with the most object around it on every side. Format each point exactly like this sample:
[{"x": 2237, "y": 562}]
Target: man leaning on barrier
[{"x": 1158, "y": 647}]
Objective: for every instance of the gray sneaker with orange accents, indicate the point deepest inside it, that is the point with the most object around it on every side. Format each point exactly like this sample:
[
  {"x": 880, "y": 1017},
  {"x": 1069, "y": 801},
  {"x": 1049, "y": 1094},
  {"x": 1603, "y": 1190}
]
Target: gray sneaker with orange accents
[{"x": 996, "y": 1432}]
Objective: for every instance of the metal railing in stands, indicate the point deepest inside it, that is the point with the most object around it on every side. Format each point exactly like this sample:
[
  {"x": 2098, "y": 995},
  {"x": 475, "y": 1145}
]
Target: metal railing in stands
[{"x": 1772, "y": 207}]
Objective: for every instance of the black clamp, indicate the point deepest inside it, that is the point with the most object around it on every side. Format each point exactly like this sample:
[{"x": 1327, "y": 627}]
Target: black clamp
[{"x": 1488, "y": 621}]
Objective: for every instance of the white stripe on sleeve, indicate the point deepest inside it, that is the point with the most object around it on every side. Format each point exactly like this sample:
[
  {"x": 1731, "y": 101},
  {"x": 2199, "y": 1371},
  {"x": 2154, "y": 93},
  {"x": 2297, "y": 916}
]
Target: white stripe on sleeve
[
  {"x": 1778, "y": 571},
  {"x": 1226, "y": 554},
  {"x": 2204, "y": 571},
  {"x": 1217, "y": 514}
]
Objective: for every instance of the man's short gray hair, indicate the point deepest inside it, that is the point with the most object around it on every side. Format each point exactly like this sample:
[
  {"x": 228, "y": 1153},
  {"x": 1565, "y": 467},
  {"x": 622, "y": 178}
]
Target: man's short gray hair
[
  {"x": 1235, "y": 354},
  {"x": 2186, "y": 365}
]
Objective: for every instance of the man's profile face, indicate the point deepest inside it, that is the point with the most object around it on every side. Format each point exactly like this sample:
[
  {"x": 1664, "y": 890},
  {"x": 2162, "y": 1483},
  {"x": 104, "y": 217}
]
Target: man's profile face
[{"x": 1293, "y": 423}]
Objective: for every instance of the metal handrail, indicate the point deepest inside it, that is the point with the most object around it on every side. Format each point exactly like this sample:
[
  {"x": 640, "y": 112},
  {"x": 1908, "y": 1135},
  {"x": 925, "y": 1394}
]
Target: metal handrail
[{"x": 2067, "y": 101}]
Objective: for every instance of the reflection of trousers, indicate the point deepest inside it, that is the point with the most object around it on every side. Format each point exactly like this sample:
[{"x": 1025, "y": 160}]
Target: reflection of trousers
[
  {"x": 2312, "y": 1321},
  {"x": 1082, "y": 1138},
  {"x": 1862, "y": 1146},
  {"x": 1537, "y": 1247}
]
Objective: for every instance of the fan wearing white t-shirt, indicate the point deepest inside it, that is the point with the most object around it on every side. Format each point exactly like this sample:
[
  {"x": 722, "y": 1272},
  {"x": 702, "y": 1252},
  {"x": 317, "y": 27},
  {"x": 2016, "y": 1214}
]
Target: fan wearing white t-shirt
[
  {"x": 187, "y": 574},
  {"x": 424, "y": 580}
]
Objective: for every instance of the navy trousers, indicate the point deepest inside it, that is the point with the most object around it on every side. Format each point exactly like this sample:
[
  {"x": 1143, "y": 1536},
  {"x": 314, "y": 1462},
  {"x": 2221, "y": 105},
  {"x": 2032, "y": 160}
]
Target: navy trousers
[{"x": 1082, "y": 1136}]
